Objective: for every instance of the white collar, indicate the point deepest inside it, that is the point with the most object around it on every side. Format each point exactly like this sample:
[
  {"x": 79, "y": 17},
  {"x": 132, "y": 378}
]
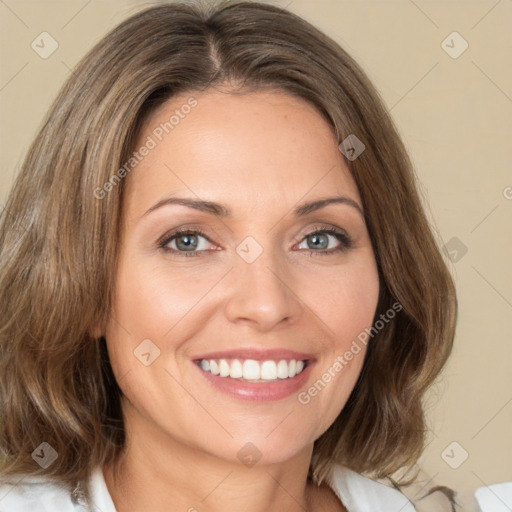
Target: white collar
[
  {"x": 99, "y": 491},
  {"x": 361, "y": 494}
]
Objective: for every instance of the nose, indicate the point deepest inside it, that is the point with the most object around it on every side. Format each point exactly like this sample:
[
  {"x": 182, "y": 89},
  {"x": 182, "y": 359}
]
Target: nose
[{"x": 262, "y": 294}]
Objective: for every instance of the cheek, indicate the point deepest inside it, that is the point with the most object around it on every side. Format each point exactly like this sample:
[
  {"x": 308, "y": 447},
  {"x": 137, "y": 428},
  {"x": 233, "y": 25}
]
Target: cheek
[
  {"x": 346, "y": 303},
  {"x": 358, "y": 296},
  {"x": 153, "y": 303},
  {"x": 354, "y": 304},
  {"x": 345, "y": 299},
  {"x": 151, "y": 300}
]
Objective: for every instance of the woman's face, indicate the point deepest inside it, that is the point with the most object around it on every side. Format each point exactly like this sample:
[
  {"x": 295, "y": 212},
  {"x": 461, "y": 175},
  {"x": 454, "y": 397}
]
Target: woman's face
[{"x": 258, "y": 285}]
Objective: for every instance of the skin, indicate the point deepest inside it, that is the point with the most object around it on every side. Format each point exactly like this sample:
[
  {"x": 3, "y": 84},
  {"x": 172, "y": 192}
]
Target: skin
[{"x": 261, "y": 154}]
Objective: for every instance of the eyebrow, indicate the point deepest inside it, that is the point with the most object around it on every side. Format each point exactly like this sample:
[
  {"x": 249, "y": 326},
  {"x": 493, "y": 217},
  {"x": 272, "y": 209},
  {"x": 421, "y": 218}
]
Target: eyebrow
[{"x": 220, "y": 210}]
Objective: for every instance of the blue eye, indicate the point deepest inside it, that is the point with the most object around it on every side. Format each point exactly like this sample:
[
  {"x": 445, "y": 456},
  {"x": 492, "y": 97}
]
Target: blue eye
[
  {"x": 187, "y": 242},
  {"x": 320, "y": 240}
]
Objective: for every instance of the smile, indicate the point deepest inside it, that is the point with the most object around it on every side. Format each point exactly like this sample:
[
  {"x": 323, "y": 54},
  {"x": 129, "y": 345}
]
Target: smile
[
  {"x": 253, "y": 374},
  {"x": 253, "y": 370}
]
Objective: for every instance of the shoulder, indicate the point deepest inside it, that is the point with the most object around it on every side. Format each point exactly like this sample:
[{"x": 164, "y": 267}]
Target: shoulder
[
  {"x": 30, "y": 494},
  {"x": 361, "y": 494}
]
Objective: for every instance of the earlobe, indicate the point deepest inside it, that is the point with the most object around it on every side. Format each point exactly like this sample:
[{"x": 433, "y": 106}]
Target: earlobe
[
  {"x": 97, "y": 332},
  {"x": 98, "y": 327}
]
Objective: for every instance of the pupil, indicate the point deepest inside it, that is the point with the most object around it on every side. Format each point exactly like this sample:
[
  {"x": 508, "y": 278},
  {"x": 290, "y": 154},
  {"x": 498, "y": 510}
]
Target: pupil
[
  {"x": 323, "y": 244},
  {"x": 189, "y": 243}
]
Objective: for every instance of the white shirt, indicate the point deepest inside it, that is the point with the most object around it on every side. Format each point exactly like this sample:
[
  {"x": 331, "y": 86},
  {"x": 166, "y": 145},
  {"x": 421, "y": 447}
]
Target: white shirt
[{"x": 35, "y": 494}]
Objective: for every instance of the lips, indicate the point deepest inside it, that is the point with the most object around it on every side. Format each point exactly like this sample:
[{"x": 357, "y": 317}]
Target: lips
[
  {"x": 256, "y": 375},
  {"x": 256, "y": 354}
]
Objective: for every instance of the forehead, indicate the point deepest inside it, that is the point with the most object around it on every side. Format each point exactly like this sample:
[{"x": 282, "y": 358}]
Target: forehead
[{"x": 246, "y": 149}]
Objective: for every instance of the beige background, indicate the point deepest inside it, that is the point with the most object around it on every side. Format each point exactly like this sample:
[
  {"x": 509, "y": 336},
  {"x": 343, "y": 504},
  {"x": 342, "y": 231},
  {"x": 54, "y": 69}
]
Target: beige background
[{"x": 455, "y": 115}]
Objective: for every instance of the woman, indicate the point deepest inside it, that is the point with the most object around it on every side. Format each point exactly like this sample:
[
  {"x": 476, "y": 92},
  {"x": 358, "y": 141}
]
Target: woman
[{"x": 170, "y": 338}]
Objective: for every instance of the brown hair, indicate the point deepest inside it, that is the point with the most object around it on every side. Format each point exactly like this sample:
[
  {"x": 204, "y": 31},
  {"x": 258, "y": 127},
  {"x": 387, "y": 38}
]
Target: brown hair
[{"x": 58, "y": 241}]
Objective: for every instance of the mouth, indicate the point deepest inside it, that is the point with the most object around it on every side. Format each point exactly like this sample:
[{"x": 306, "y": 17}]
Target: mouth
[
  {"x": 251, "y": 370},
  {"x": 256, "y": 376}
]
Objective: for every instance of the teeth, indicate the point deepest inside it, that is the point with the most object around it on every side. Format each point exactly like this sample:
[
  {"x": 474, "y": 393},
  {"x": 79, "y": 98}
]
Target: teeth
[
  {"x": 269, "y": 370},
  {"x": 214, "y": 367},
  {"x": 282, "y": 370},
  {"x": 250, "y": 369},
  {"x": 291, "y": 368},
  {"x": 223, "y": 368},
  {"x": 235, "y": 371}
]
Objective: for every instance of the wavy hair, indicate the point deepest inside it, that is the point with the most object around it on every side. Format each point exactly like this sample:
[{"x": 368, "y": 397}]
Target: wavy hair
[{"x": 59, "y": 241}]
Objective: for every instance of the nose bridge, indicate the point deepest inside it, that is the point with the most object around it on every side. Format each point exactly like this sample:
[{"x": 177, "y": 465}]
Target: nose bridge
[{"x": 262, "y": 290}]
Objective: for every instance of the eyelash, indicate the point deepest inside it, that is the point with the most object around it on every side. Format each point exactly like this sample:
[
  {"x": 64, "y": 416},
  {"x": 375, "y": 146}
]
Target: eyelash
[{"x": 346, "y": 241}]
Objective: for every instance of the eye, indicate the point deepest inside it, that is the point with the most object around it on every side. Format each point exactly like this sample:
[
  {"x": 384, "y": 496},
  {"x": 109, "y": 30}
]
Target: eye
[
  {"x": 323, "y": 241},
  {"x": 185, "y": 242}
]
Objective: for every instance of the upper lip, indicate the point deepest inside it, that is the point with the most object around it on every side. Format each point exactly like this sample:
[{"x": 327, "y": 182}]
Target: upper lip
[{"x": 256, "y": 354}]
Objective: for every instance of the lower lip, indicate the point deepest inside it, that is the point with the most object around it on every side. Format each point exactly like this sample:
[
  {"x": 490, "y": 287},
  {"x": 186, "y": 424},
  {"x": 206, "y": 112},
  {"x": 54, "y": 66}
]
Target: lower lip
[{"x": 259, "y": 391}]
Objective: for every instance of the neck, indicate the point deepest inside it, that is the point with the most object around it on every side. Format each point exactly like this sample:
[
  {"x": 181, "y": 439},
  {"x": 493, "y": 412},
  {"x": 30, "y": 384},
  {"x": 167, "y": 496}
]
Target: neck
[{"x": 159, "y": 473}]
